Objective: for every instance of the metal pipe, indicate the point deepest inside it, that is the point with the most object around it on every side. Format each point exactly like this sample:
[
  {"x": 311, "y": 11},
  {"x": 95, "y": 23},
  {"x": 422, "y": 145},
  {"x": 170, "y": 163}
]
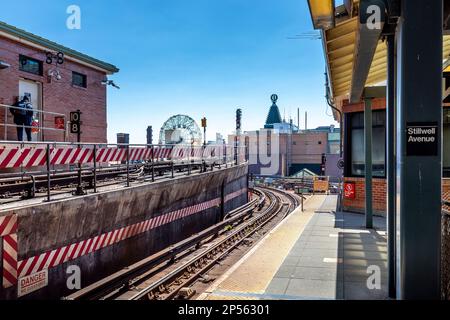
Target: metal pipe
[
  {"x": 153, "y": 163},
  {"x": 95, "y": 168},
  {"x": 128, "y": 166},
  {"x": 341, "y": 120},
  {"x": 47, "y": 156}
]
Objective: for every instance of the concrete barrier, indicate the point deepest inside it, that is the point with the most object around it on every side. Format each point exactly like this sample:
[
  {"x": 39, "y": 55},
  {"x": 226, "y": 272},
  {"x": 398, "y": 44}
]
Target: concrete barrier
[{"x": 102, "y": 233}]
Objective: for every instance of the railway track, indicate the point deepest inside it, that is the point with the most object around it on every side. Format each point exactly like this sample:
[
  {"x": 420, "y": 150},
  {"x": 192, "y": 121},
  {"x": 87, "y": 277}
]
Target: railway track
[
  {"x": 27, "y": 185},
  {"x": 170, "y": 274}
]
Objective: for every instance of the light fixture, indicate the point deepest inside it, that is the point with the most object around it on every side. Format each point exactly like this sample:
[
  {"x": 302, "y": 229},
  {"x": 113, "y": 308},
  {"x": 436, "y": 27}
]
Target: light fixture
[
  {"x": 107, "y": 82},
  {"x": 54, "y": 74},
  {"x": 322, "y": 13},
  {"x": 4, "y": 65}
]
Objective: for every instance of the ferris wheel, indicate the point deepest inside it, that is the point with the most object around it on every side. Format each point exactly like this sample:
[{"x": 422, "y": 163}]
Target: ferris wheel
[{"x": 180, "y": 129}]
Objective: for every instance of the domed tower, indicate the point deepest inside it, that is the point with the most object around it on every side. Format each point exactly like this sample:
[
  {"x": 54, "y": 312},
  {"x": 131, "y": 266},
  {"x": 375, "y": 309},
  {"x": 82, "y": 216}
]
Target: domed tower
[{"x": 274, "y": 115}]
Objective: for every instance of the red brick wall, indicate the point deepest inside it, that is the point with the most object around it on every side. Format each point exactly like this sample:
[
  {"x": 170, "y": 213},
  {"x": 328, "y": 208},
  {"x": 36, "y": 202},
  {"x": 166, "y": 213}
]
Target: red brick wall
[
  {"x": 58, "y": 96},
  {"x": 379, "y": 190},
  {"x": 379, "y": 195}
]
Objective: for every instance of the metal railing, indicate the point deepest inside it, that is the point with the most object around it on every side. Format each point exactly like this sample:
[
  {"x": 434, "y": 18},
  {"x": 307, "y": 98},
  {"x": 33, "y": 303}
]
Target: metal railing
[
  {"x": 41, "y": 117},
  {"x": 45, "y": 166},
  {"x": 445, "y": 251}
]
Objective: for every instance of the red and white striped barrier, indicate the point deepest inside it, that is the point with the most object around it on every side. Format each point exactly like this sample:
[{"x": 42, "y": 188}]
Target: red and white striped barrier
[
  {"x": 16, "y": 157},
  {"x": 8, "y": 225},
  {"x": 9, "y": 260},
  {"x": 8, "y": 232},
  {"x": 70, "y": 252},
  {"x": 69, "y": 155}
]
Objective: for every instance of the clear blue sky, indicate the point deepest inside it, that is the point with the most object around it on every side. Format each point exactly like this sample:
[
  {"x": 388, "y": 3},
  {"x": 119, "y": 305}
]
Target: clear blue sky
[{"x": 196, "y": 57}]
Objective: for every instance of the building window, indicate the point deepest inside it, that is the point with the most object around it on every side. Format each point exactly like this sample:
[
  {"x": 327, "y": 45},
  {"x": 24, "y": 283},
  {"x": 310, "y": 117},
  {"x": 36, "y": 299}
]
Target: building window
[
  {"x": 79, "y": 80},
  {"x": 30, "y": 65},
  {"x": 356, "y": 137},
  {"x": 446, "y": 142}
]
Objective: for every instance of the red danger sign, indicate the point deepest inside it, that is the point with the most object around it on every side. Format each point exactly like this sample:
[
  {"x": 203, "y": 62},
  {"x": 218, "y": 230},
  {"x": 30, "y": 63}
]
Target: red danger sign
[
  {"x": 32, "y": 283},
  {"x": 349, "y": 190}
]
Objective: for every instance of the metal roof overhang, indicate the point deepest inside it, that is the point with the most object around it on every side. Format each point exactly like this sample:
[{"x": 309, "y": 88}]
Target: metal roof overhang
[{"x": 353, "y": 56}]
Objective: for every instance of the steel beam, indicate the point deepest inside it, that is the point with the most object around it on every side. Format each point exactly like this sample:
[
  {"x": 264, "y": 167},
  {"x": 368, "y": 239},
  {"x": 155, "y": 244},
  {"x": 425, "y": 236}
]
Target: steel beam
[
  {"x": 367, "y": 37},
  {"x": 368, "y": 160},
  {"x": 390, "y": 162},
  {"x": 419, "y": 171}
]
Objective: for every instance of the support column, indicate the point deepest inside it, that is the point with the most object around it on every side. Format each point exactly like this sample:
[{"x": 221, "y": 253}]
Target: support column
[
  {"x": 419, "y": 164},
  {"x": 368, "y": 160},
  {"x": 390, "y": 162}
]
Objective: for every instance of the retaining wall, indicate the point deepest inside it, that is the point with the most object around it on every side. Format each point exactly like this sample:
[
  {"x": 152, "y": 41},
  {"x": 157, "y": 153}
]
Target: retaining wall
[{"x": 102, "y": 233}]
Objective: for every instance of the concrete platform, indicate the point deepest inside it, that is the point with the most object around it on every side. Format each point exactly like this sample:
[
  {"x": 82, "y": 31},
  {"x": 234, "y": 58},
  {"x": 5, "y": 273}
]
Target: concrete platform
[{"x": 313, "y": 255}]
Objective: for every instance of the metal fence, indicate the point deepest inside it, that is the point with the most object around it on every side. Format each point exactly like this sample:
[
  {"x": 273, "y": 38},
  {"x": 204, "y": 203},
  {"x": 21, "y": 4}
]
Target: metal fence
[
  {"x": 54, "y": 162},
  {"x": 40, "y": 127},
  {"x": 445, "y": 252}
]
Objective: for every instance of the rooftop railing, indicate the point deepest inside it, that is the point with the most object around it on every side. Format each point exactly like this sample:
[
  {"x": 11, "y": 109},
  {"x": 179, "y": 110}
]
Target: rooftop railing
[{"x": 40, "y": 127}]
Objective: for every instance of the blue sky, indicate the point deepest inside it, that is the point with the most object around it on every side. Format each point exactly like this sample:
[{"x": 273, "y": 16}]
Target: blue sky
[{"x": 196, "y": 57}]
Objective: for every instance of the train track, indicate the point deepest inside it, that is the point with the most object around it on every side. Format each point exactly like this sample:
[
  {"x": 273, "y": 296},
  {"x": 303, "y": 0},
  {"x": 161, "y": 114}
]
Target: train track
[
  {"x": 169, "y": 274},
  {"x": 28, "y": 185}
]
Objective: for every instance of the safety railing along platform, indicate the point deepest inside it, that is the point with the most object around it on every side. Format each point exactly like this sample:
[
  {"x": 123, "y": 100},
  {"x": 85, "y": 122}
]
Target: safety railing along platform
[{"x": 32, "y": 167}]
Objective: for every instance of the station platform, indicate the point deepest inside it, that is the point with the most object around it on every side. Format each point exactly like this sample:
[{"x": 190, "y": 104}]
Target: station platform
[{"x": 312, "y": 255}]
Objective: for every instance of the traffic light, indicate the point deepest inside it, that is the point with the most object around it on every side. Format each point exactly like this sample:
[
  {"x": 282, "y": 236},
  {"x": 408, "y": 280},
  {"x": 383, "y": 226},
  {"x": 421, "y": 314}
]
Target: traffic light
[
  {"x": 150, "y": 135},
  {"x": 238, "y": 119},
  {"x": 204, "y": 123},
  {"x": 324, "y": 162}
]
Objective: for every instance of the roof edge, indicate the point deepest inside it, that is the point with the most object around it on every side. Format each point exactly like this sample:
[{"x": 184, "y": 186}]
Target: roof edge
[{"x": 20, "y": 33}]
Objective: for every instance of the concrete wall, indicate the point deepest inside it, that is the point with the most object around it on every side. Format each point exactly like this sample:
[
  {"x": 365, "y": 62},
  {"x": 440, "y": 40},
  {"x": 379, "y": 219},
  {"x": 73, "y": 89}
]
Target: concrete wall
[{"x": 144, "y": 220}]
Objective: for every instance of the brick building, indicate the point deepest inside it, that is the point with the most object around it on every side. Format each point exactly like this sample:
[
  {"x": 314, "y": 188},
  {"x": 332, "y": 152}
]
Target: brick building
[
  {"x": 354, "y": 154},
  {"x": 343, "y": 54},
  {"x": 77, "y": 83}
]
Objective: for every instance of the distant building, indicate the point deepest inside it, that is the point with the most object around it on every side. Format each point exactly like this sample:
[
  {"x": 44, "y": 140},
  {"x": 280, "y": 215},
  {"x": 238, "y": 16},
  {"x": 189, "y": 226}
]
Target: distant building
[{"x": 298, "y": 149}]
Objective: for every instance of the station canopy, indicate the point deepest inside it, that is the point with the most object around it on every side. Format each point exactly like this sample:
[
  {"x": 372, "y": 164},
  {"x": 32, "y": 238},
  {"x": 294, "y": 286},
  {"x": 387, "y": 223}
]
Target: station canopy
[{"x": 355, "y": 57}]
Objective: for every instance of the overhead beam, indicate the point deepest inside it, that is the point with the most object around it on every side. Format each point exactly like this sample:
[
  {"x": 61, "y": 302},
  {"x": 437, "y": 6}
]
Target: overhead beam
[{"x": 372, "y": 17}]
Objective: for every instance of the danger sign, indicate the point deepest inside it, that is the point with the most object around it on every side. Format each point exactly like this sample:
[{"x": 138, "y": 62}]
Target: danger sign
[
  {"x": 32, "y": 283},
  {"x": 349, "y": 190}
]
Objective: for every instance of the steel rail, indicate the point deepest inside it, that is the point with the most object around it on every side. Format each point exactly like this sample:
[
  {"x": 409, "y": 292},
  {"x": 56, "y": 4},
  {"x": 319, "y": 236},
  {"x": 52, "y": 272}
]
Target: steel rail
[
  {"x": 125, "y": 276},
  {"x": 189, "y": 272}
]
